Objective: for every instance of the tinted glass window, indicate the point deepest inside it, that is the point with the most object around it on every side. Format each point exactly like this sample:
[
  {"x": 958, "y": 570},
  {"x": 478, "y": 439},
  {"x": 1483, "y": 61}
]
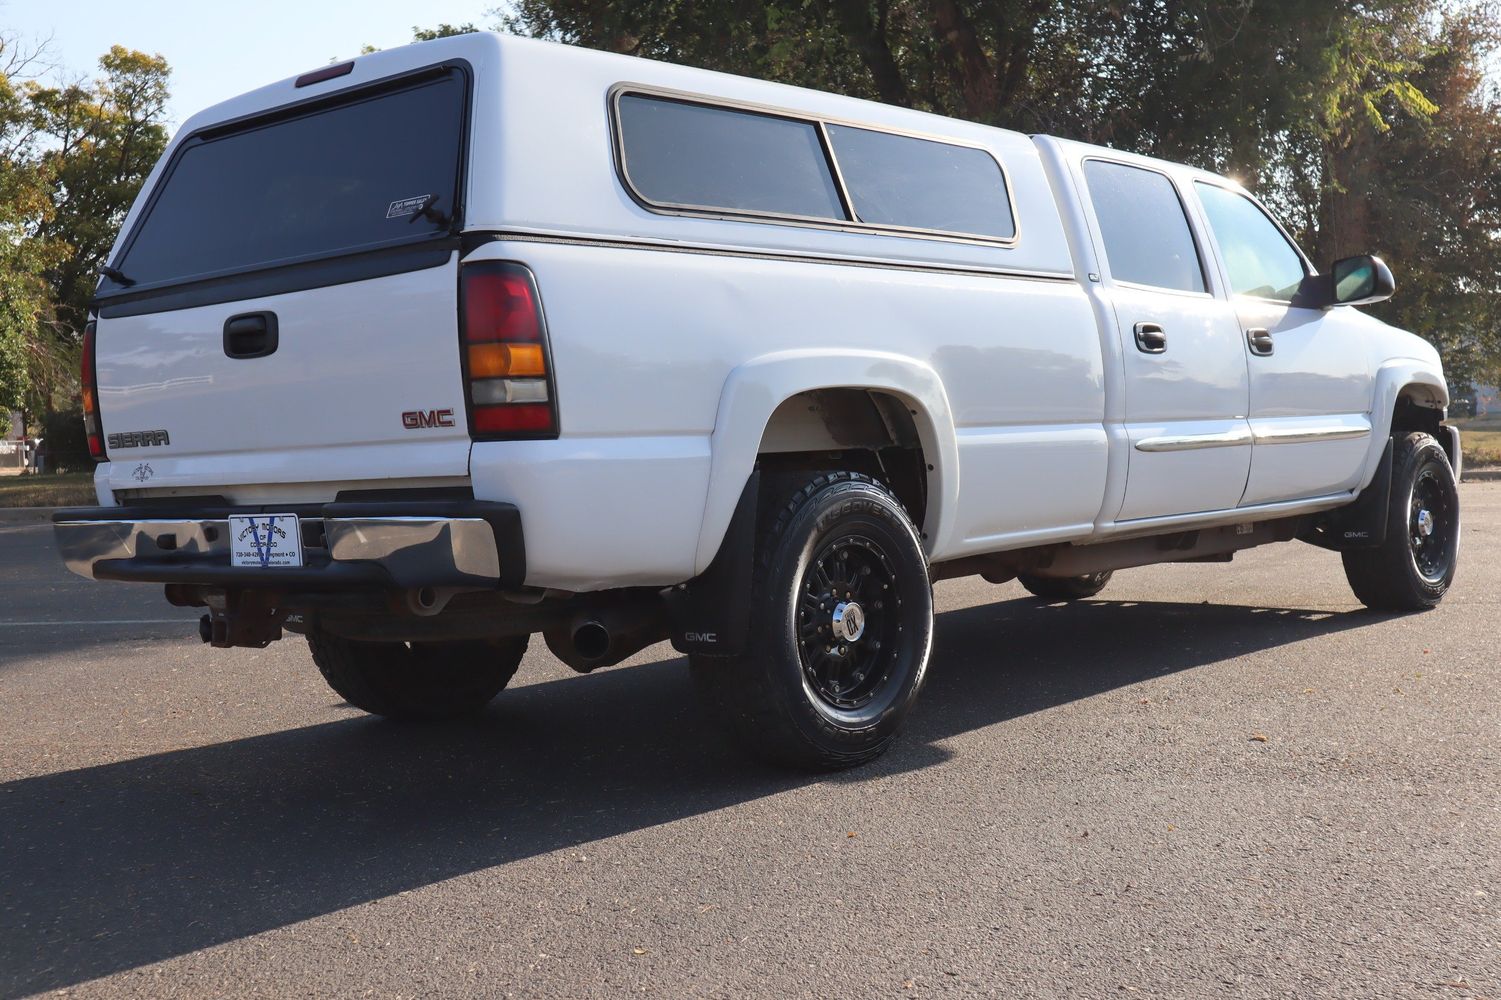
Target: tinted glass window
[
  {"x": 349, "y": 177},
  {"x": 1147, "y": 239},
  {"x": 896, "y": 180},
  {"x": 702, "y": 157},
  {"x": 1259, "y": 259}
]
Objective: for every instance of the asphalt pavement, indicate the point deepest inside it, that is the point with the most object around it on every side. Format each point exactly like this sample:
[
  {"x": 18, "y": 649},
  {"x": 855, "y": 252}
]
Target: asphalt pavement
[{"x": 1215, "y": 780}]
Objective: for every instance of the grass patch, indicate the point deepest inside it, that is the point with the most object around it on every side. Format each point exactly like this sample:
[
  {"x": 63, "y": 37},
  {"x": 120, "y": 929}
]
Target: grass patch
[
  {"x": 1481, "y": 447},
  {"x": 71, "y": 489},
  {"x": 1481, "y": 440}
]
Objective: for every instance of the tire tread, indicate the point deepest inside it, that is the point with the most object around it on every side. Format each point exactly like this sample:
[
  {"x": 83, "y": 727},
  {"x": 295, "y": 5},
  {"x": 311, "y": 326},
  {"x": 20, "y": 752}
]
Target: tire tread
[
  {"x": 1383, "y": 578},
  {"x": 738, "y": 688}
]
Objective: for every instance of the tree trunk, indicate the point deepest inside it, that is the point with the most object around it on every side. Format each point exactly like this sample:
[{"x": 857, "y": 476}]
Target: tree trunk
[
  {"x": 977, "y": 78},
  {"x": 1345, "y": 223},
  {"x": 868, "y": 35}
]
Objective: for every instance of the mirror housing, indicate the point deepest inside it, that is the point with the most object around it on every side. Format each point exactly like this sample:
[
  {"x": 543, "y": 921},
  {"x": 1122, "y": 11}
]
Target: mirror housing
[{"x": 1353, "y": 281}]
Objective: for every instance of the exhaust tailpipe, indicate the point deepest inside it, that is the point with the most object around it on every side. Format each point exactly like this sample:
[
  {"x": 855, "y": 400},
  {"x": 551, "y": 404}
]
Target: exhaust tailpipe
[{"x": 603, "y": 636}]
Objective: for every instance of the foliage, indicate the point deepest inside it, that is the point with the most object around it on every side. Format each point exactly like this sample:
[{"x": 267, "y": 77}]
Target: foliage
[
  {"x": 67, "y": 446},
  {"x": 444, "y": 30},
  {"x": 75, "y": 155},
  {"x": 23, "y": 199},
  {"x": 104, "y": 138},
  {"x": 1367, "y": 124}
]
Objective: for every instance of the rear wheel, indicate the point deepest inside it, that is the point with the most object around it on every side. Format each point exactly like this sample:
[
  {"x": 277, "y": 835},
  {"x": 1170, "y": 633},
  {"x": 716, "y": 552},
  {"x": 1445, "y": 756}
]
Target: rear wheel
[
  {"x": 841, "y": 625},
  {"x": 1066, "y": 588},
  {"x": 418, "y": 680},
  {"x": 1413, "y": 566}
]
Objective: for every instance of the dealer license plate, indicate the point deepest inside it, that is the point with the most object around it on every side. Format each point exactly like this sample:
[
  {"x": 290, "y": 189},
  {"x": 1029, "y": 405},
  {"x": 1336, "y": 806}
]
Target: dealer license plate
[{"x": 264, "y": 541}]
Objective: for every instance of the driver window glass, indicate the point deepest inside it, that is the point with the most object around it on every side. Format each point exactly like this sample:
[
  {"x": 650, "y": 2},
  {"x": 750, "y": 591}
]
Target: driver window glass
[{"x": 1259, "y": 259}]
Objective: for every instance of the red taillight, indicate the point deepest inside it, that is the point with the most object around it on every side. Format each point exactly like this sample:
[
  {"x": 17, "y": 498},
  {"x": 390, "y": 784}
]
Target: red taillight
[
  {"x": 506, "y": 365},
  {"x": 523, "y": 417},
  {"x": 499, "y": 304},
  {"x": 90, "y": 394}
]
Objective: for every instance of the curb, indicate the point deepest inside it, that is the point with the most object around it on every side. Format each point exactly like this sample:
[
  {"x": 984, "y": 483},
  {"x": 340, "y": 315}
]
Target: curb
[
  {"x": 1480, "y": 475},
  {"x": 26, "y": 515}
]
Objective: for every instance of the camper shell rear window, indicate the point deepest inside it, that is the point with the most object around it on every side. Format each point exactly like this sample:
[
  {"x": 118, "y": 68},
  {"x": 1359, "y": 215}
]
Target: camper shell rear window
[{"x": 378, "y": 167}]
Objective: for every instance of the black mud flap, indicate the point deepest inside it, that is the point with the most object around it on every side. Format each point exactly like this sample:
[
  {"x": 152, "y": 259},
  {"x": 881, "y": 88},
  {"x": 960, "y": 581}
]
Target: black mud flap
[
  {"x": 1361, "y": 525},
  {"x": 710, "y": 615}
]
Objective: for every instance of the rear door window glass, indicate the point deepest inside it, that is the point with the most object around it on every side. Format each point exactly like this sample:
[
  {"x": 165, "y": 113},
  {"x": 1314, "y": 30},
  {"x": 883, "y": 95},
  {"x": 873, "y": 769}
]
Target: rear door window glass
[
  {"x": 910, "y": 183},
  {"x": 353, "y": 176},
  {"x": 683, "y": 155},
  {"x": 1146, "y": 234}
]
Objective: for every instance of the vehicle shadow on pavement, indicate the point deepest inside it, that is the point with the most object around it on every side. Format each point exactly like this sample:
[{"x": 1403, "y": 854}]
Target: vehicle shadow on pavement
[{"x": 108, "y": 868}]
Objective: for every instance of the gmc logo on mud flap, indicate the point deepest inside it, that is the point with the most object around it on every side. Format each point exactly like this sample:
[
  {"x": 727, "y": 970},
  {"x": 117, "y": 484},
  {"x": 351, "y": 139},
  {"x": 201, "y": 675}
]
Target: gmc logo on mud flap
[{"x": 416, "y": 419}]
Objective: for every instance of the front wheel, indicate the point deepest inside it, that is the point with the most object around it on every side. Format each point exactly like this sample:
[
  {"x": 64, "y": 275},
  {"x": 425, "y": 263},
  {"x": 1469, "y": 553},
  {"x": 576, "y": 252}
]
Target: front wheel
[
  {"x": 840, "y": 631},
  {"x": 1413, "y": 566},
  {"x": 426, "y": 681}
]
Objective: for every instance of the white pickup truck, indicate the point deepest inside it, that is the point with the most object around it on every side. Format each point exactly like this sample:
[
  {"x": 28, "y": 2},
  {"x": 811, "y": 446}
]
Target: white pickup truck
[{"x": 421, "y": 354}]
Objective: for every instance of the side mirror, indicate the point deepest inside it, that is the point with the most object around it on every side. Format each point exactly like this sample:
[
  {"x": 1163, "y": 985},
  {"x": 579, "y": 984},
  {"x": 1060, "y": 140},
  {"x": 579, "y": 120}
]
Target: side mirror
[
  {"x": 1359, "y": 281},
  {"x": 1354, "y": 281}
]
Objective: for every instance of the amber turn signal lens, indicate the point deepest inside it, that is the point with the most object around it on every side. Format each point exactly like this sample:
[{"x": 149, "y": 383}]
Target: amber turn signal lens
[{"x": 502, "y": 360}]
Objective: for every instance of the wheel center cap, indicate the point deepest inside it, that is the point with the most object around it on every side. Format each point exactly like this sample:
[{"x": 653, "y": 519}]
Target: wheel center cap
[
  {"x": 1425, "y": 522},
  {"x": 849, "y": 621}
]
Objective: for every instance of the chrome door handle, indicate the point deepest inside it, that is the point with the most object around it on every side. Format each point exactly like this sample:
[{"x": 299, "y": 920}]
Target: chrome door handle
[
  {"x": 1260, "y": 341},
  {"x": 1150, "y": 338}
]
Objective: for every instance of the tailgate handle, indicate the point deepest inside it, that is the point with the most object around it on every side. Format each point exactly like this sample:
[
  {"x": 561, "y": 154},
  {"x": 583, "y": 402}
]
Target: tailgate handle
[{"x": 250, "y": 335}]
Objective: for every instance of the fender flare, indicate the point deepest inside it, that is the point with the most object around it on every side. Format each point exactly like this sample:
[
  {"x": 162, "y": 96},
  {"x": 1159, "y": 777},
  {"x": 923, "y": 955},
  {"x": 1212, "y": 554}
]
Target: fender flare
[
  {"x": 754, "y": 390},
  {"x": 1392, "y": 378}
]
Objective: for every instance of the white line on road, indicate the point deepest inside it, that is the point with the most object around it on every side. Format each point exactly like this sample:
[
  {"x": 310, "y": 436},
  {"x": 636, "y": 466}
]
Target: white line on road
[{"x": 121, "y": 621}]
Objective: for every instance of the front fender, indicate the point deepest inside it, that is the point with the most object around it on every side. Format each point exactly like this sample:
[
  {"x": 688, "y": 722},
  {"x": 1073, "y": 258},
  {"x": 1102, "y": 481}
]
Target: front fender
[
  {"x": 754, "y": 390},
  {"x": 1392, "y": 377}
]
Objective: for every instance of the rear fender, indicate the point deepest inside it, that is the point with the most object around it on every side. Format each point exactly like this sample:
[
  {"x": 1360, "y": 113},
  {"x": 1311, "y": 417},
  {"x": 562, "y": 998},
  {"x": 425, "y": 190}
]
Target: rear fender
[{"x": 754, "y": 390}]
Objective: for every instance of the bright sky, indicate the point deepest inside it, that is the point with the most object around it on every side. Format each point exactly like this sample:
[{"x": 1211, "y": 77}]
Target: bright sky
[{"x": 218, "y": 49}]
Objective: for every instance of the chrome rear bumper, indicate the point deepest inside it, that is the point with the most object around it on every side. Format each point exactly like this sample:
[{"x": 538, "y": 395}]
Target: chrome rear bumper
[{"x": 460, "y": 543}]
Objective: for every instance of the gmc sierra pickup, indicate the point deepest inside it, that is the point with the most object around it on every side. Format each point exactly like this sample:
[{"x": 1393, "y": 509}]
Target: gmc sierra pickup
[{"x": 421, "y": 354}]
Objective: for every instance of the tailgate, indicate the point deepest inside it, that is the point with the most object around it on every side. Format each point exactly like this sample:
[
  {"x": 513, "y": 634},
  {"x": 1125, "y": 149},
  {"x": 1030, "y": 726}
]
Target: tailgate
[
  {"x": 364, "y": 383},
  {"x": 283, "y": 307}
]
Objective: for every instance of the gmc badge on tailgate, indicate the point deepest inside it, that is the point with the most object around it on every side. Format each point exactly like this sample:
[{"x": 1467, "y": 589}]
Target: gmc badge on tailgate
[{"x": 416, "y": 419}]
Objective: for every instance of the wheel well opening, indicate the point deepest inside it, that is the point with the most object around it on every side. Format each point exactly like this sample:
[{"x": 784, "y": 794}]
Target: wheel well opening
[
  {"x": 1420, "y": 409},
  {"x": 859, "y": 430}
]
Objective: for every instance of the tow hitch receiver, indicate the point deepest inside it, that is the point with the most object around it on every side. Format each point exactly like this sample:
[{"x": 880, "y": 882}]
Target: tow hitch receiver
[{"x": 247, "y": 618}]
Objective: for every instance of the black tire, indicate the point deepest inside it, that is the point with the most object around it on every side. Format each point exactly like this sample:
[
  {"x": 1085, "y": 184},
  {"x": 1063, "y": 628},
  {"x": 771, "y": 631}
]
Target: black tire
[
  {"x": 789, "y": 701},
  {"x": 1414, "y": 565},
  {"x": 1070, "y": 588},
  {"x": 417, "y": 681}
]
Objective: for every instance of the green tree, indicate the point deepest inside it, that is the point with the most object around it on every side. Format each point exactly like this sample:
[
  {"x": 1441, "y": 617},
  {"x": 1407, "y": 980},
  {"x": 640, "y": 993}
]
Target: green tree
[
  {"x": 444, "y": 30},
  {"x": 24, "y": 260},
  {"x": 1433, "y": 206},
  {"x": 75, "y": 156},
  {"x": 1367, "y": 124},
  {"x": 105, "y": 136}
]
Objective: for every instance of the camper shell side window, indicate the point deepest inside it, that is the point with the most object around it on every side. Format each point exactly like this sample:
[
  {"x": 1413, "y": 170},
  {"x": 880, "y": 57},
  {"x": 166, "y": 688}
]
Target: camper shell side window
[{"x": 688, "y": 155}]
